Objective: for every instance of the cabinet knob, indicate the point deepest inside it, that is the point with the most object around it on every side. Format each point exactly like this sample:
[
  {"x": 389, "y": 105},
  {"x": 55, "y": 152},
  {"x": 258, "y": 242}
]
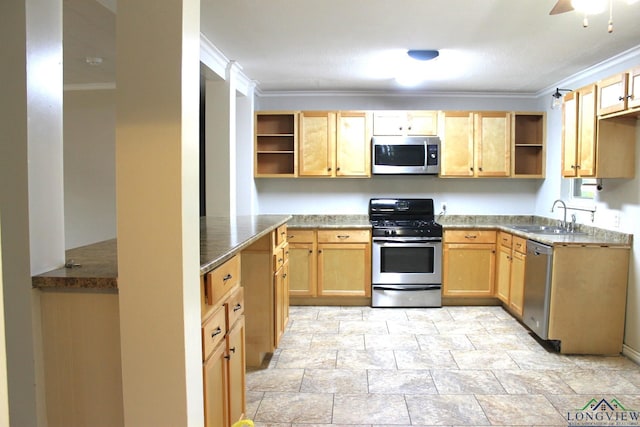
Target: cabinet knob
[
  {"x": 480, "y": 169},
  {"x": 343, "y": 236},
  {"x": 337, "y": 169},
  {"x": 237, "y": 307},
  {"x": 217, "y": 331},
  {"x": 329, "y": 169},
  {"x": 470, "y": 236},
  {"x": 310, "y": 251},
  {"x": 227, "y": 277}
]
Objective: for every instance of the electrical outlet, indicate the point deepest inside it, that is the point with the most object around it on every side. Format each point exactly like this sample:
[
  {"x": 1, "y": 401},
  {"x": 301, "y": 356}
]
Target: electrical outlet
[{"x": 616, "y": 219}]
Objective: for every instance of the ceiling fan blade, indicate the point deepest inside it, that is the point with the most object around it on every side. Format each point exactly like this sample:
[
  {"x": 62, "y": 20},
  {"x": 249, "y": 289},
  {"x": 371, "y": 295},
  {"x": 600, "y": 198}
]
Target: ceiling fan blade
[{"x": 561, "y": 6}]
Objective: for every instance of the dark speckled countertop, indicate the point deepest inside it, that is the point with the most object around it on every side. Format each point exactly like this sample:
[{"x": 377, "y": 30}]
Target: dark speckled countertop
[
  {"x": 329, "y": 221},
  {"x": 220, "y": 239},
  {"x": 223, "y": 237}
]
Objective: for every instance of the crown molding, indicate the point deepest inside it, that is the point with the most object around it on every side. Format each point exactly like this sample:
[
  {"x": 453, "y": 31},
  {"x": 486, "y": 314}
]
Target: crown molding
[
  {"x": 594, "y": 70},
  {"x": 405, "y": 94},
  {"x": 225, "y": 68}
]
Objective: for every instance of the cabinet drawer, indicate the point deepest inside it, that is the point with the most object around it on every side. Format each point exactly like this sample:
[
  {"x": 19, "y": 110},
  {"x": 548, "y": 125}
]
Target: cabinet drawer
[
  {"x": 505, "y": 239},
  {"x": 343, "y": 236},
  {"x": 234, "y": 306},
  {"x": 213, "y": 331},
  {"x": 281, "y": 235},
  {"x": 278, "y": 258},
  {"x": 223, "y": 279},
  {"x": 520, "y": 244},
  {"x": 300, "y": 236},
  {"x": 470, "y": 236}
]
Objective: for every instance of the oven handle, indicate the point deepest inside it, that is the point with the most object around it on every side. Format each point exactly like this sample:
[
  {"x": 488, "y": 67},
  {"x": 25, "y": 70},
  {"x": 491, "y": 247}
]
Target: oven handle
[{"x": 407, "y": 287}]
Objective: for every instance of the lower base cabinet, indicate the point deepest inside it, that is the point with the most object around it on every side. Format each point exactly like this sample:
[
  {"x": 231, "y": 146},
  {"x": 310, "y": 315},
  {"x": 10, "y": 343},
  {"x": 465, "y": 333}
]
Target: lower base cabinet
[
  {"x": 223, "y": 346},
  {"x": 330, "y": 266},
  {"x": 588, "y": 298},
  {"x": 468, "y": 263},
  {"x": 510, "y": 272}
]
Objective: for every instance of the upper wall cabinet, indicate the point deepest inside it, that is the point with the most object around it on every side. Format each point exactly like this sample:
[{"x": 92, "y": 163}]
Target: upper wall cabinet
[
  {"x": 405, "y": 123},
  {"x": 335, "y": 144},
  {"x": 276, "y": 139},
  {"x": 476, "y": 144},
  {"x": 619, "y": 93},
  {"x": 595, "y": 147},
  {"x": 528, "y": 145}
]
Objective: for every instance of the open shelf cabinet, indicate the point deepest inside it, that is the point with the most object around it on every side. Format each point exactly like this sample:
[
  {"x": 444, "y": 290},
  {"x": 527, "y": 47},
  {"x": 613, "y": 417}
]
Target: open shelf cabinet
[
  {"x": 528, "y": 145},
  {"x": 276, "y": 135}
]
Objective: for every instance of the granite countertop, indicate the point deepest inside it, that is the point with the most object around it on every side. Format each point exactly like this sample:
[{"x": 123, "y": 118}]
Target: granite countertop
[
  {"x": 588, "y": 235},
  {"x": 329, "y": 221},
  {"x": 96, "y": 266},
  {"x": 223, "y": 237}
]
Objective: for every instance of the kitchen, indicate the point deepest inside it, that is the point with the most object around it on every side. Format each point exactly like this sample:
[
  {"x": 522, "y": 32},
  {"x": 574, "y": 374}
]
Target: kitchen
[{"x": 470, "y": 197}]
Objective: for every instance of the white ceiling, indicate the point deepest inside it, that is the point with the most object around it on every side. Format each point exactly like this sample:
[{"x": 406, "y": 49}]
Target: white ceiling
[{"x": 511, "y": 46}]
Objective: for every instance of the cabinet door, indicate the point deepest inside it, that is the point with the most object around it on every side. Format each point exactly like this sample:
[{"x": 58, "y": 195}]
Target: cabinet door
[
  {"x": 612, "y": 94},
  {"x": 236, "y": 371},
  {"x": 469, "y": 269},
  {"x": 279, "y": 292},
  {"x": 570, "y": 135},
  {"x": 422, "y": 123},
  {"x": 317, "y": 142},
  {"x": 389, "y": 123},
  {"x": 216, "y": 402},
  {"x": 633, "y": 97},
  {"x": 516, "y": 292},
  {"x": 344, "y": 269},
  {"x": 492, "y": 138},
  {"x": 302, "y": 269},
  {"x": 503, "y": 273},
  {"x": 457, "y": 144},
  {"x": 587, "y": 131},
  {"x": 353, "y": 145}
]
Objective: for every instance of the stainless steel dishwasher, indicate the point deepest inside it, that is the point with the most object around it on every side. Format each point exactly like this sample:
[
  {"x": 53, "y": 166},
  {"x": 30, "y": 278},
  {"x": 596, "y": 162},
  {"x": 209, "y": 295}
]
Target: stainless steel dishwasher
[{"x": 537, "y": 287}]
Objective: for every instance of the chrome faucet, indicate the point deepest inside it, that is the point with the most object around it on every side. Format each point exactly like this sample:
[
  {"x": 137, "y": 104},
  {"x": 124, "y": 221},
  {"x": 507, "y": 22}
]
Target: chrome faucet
[{"x": 564, "y": 206}]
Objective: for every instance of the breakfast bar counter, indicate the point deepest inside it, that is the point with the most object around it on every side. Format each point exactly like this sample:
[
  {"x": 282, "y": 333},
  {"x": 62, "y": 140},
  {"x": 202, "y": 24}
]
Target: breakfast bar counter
[{"x": 95, "y": 266}]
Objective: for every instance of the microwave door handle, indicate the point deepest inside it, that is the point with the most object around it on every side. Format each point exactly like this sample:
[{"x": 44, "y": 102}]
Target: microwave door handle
[{"x": 426, "y": 153}]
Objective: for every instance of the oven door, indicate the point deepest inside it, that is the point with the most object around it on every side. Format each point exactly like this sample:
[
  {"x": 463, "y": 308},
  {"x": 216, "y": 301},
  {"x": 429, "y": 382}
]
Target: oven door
[{"x": 406, "y": 261}]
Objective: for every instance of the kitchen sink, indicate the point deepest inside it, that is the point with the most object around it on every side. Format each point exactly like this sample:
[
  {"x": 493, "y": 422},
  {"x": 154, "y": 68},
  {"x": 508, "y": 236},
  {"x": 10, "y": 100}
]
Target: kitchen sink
[{"x": 546, "y": 229}]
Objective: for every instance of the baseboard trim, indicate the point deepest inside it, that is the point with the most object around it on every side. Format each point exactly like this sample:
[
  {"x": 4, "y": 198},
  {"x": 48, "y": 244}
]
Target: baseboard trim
[{"x": 631, "y": 353}]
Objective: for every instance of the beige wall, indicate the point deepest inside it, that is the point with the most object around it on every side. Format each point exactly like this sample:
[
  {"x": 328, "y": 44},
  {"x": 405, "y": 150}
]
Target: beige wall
[{"x": 89, "y": 166}]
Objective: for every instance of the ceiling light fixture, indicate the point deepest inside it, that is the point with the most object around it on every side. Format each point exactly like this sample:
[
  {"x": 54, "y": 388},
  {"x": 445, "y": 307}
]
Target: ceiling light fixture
[
  {"x": 423, "y": 55},
  {"x": 556, "y": 98}
]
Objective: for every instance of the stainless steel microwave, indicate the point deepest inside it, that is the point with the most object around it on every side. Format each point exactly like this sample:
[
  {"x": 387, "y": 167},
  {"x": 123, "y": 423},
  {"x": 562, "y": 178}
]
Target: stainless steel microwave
[{"x": 410, "y": 155}]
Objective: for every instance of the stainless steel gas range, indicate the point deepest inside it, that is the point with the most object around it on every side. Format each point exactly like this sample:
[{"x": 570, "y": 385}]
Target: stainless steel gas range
[{"x": 406, "y": 253}]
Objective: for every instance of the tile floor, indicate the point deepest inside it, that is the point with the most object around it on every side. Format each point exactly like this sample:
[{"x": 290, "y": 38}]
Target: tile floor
[{"x": 452, "y": 366}]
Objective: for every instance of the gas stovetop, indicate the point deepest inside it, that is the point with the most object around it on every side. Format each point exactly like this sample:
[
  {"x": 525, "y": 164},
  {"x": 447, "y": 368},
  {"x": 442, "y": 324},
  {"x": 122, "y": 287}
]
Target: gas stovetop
[{"x": 403, "y": 218}]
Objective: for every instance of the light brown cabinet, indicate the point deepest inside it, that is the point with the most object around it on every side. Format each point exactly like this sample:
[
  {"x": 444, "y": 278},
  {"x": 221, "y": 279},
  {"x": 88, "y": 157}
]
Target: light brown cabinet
[
  {"x": 303, "y": 260},
  {"x": 405, "y": 123},
  {"x": 619, "y": 93},
  {"x": 588, "y": 298},
  {"x": 510, "y": 265},
  {"x": 476, "y": 144},
  {"x": 334, "y": 144},
  {"x": 265, "y": 279},
  {"x": 223, "y": 346},
  {"x": 528, "y": 144},
  {"x": 468, "y": 263},
  {"x": 592, "y": 147},
  {"x": 275, "y": 144},
  {"x": 330, "y": 264}
]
